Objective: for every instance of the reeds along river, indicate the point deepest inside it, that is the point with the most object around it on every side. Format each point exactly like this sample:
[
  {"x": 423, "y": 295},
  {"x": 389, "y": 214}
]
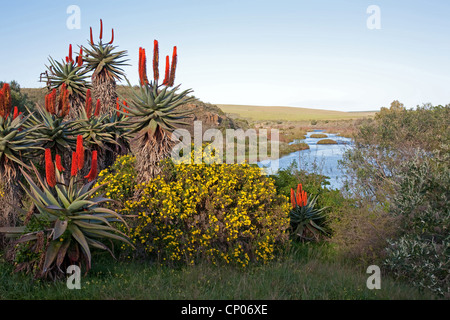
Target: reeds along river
[{"x": 320, "y": 158}]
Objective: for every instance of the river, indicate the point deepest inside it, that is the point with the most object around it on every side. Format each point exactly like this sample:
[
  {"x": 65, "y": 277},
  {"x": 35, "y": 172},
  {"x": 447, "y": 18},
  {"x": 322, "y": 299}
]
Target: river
[{"x": 319, "y": 158}]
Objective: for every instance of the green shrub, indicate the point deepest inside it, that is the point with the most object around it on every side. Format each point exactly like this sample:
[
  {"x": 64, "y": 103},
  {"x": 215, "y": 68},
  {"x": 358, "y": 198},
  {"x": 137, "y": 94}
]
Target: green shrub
[
  {"x": 422, "y": 254},
  {"x": 422, "y": 262}
]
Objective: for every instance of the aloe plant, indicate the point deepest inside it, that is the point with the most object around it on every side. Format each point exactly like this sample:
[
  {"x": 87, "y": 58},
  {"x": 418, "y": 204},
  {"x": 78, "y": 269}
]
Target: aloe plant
[
  {"x": 54, "y": 130},
  {"x": 74, "y": 221},
  {"x": 153, "y": 114},
  {"x": 305, "y": 219}
]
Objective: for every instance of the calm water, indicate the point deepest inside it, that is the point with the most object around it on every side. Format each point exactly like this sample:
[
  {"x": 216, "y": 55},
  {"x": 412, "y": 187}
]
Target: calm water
[{"x": 320, "y": 158}]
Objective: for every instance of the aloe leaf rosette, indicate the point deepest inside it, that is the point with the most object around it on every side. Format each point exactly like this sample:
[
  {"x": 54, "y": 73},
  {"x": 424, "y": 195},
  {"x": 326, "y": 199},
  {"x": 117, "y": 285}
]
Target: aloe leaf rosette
[
  {"x": 77, "y": 222},
  {"x": 17, "y": 144},
  {"x": 57, "y": 132},
  {"x": 305, "y": 219}
]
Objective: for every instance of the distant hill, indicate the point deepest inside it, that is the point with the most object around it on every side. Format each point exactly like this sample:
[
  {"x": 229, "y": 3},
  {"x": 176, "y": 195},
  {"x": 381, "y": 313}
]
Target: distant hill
[{"x": 261, "y": 113}]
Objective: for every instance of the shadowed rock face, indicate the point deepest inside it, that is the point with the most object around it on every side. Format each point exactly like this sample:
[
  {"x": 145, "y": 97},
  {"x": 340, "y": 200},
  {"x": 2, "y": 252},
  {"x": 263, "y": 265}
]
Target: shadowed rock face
[{"x": 210, "y": 116}]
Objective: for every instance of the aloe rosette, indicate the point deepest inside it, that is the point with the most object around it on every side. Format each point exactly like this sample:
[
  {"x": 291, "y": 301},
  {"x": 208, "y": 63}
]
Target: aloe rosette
[
  {"x": 76, "y": 221},
  {"x": 306, "y": 220}
]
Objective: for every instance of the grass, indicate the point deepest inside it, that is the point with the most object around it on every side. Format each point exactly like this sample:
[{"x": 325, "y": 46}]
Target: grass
[
  {"x": 306, "y": 272},
  {"x": 326, "y": 141},
  {"x": 318, "y": 136},
  {"x": 289, "y": 113}
]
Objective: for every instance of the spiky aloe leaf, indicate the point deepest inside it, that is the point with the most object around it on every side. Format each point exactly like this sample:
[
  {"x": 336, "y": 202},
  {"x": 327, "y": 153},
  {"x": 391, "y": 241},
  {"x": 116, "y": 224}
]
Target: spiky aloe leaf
[
  {"x": 57, "y": 133},
  {"x": 78, "y": 222},
  {"x": 17, "y": 146},
  {"x": 151, "y": 109},
  {"x": 96, "y": 130},
  {"x": 69, "y": 73},
  {"x": 104, "y": 61},
  {"x": 307, "y": 219}
]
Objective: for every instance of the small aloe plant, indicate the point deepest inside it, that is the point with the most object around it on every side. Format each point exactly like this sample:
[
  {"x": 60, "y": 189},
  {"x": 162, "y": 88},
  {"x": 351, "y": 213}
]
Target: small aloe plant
[
  {"x": 74, "y": 221},
  {"x": 305, "y": 219}
]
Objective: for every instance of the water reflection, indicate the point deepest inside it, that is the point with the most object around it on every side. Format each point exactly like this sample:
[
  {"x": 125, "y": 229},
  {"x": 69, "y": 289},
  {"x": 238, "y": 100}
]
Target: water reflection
[{"x": 320, "y": 158}]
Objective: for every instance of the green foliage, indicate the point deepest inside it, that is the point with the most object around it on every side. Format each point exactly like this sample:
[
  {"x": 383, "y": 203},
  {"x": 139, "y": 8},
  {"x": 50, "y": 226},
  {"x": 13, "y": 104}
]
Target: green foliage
[
  {"x": 307, "y": 222},
  {"x": 55, "y": 133},
  {"x": 68, "y": 73},
  {"x": 421, "y": 261},
  {"x": 104, "y": 61},
  {"x": 97, "y": 131},
  {"x": 152, "y": 109},
  {"x": 70, "y": 223},
  {"x": 422, "y": 254},
  {"x": 16, "y": 143}
]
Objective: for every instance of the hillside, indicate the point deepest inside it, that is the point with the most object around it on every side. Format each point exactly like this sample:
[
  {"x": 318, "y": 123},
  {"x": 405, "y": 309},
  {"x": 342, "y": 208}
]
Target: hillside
[
  {"x": 261, "y": 113},
  {"x": 210, "y": 115}
]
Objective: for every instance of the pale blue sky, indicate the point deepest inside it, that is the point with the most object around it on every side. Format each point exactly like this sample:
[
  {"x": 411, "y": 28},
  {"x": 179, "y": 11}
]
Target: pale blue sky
[{"x": 317, "y": 54}]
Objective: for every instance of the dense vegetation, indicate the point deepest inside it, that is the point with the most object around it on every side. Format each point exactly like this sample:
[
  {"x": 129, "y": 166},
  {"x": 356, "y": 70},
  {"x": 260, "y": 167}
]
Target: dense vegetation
[{"x": 400, "y": 180}]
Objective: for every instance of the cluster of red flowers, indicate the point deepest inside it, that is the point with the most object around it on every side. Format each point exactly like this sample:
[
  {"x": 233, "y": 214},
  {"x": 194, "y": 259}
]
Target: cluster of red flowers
[
  {"x": 101, "y": 34},
  {"x": 118, "y": 107},
  {"x": 63, "y": 107},
  {"x": 79, "y": 59},
  {"x": 77, "y": 163},
  {"x": 169, "y": 75},
  {"x": 300, "y": 198},
  {"x": 5, "y": 101}
]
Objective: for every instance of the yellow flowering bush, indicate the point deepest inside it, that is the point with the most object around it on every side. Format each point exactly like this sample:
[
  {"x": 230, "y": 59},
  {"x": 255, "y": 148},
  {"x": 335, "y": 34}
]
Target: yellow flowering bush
[
  {"x": 217, "y": 212},
  {"x": 227, "y": 213},
  {"x": 119, "y": 179}
]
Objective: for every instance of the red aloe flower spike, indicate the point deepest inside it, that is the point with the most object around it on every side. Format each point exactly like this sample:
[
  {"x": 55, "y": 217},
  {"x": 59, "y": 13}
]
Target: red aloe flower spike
[
  {"x": 305, "y": 198},
  {"x": 80, "y": 57},
  {"x": 93, "y": 172},
  {"x": 47, "y": 96},
  {"x": 166, "y": 74},
  {"x": 118, "y": 107},
  {"x": 49, "y": 168},
  {"x": 299, "y": 198},
  {"x": 70, "y": 53},
  {"x": 59, "y": 163},
  {"x": 16, "y": 113},
  {"x": 124, "y": 109},
  {"x": 292, "y": 198},
  {"x": 92, "y": 41},
  {"x": 8, "y": 98},
  {"x": 155, "y": 60},
  {"x": 97, "y": 108},
  {"x": 88, "y": 103},
  {"x": 52, "y": 100},
  {"x": 112, "y": 36},
  {"x": 101, "y": 29},
  {"x": 64, "y": 105},
  {"x": 173, "y": 67},
  {"x": 142, "y": 67},
  {"x": 80, "y": 152},
  {"x": 74, "y": 169},
  {"x": 67, "y": 59},
  {"x": 2, "y": 104}
]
